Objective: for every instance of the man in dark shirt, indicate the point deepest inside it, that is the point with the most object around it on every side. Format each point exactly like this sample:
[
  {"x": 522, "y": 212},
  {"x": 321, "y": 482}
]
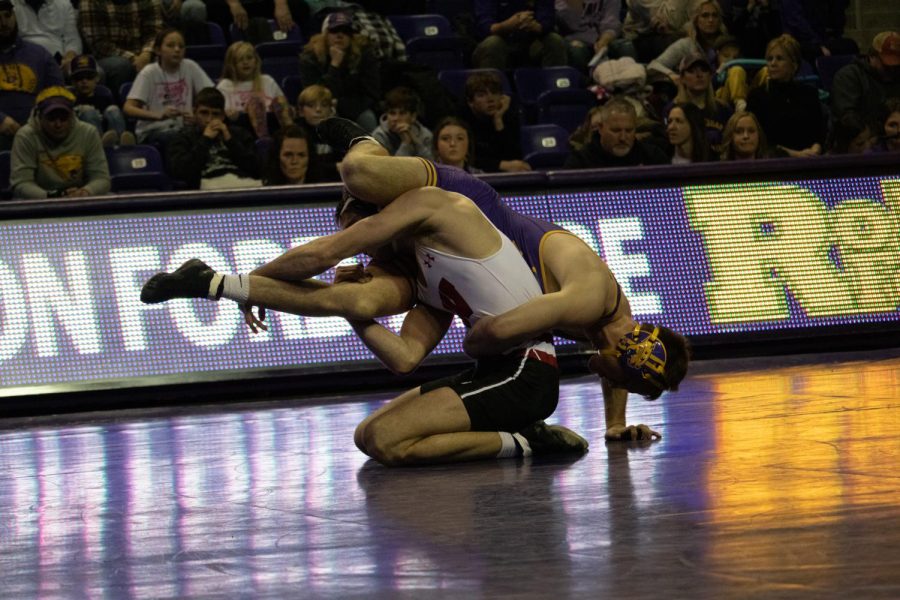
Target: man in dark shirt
[
  {"x": 862, "y": 87},
  {"x": 614, "y": 144}
]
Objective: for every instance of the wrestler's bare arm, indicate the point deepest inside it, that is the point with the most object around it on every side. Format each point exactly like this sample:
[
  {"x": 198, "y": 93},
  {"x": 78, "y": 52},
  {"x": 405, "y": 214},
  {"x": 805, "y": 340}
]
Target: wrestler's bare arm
[
  {"x": 405, "y": 216},
  {"x": 422, "y": 330},
  {"x": 615, "y": 401}
]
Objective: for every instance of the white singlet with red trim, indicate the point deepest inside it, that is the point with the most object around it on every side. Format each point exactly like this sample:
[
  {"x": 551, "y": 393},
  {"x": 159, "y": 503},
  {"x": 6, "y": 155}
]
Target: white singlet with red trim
[{"x": 474, "y": 288}]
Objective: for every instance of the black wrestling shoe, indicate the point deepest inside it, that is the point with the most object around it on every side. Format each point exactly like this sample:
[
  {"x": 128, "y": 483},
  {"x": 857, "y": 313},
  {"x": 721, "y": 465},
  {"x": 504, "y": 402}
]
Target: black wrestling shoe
[
  {"x": 190, "y": 280},
  {"x": 553, "y": 439},
  {"x": 341, "y": 134}
]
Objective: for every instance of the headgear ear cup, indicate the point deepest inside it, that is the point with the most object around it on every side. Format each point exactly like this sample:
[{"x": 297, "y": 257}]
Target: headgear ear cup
[{"x": 643, "y": 355}]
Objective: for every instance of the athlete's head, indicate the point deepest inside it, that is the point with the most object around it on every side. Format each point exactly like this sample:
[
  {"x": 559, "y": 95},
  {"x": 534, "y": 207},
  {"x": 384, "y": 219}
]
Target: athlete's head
[
  {"x": 351, "y": 209},
  {"x": 648, "y": 360}
]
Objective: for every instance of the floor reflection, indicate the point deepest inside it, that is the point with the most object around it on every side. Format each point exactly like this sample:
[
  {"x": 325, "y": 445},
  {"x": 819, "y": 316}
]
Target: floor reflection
[{"x": 768, "y": 479}]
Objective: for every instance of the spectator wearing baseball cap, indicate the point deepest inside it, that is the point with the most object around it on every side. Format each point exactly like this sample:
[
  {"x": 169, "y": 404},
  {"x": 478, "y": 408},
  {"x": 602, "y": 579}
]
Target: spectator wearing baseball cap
[
  {"x": 863, "y": 87},
  {"x": 55, "y": 155},
  {"x": 95, "y": 104},
  {"x": 695, "y": 87},
  {"x": 18, "y": 57},
  {"x": 342, "y": 61}
]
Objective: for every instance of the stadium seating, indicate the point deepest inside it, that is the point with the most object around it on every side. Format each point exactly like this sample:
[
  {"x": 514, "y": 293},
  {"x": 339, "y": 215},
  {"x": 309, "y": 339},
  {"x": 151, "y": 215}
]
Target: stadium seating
[
  {"x": 827, "y": 66},
  {"x": 293, "y": 34},
  {"x": 545, "y": 146},
  {"x": 533, "y": 82},
  {"x": 137, "y": 168},
  {"x": 566, "y": 108},
  {"x": 210, "y": 56},
  {"x": 291, "y": 85},
  {"x": 430, "y": 40},
  {"x": 454, "y": 80},
  {"x": 280, "y": 59}
]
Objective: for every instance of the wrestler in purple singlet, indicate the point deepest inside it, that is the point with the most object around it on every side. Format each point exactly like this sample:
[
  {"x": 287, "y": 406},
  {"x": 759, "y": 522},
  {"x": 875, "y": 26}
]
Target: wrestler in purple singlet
[{"x": 526, "y": 232}]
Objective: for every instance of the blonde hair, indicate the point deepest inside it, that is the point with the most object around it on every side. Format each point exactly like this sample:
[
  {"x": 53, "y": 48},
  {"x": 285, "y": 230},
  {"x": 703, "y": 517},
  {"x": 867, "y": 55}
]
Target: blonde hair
[
  {"x": 314, "y": 93},
  {"x": 318, "y": 47},
  {"x": 229, "y": 69},
  {"x": 691, "y": 26},
  {"x": 728, "y": 136},
  {"x": 791, "y": 47}
]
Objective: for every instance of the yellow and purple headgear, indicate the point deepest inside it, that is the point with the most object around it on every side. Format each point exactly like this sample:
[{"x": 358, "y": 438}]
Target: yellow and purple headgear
[{"x": 642, "y": 355}]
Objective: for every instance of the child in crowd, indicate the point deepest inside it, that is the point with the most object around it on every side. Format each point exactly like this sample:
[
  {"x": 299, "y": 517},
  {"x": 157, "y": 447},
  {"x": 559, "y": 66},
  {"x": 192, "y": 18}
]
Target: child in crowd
[
  {"x": 735, "y": 88},
  {"x": 315, "y": 104},
  {"x": 743, "y": 138},
  {"x": 453, "y": 144},
  {"x": 96, "y": 105},
  {"x": 400, "y": 130},
  {"x": 495, "y": 124},
  {"x": 162, "y": 95},
  {"x": 209, "y": 154},
  {"x": 251, "y": 96}
]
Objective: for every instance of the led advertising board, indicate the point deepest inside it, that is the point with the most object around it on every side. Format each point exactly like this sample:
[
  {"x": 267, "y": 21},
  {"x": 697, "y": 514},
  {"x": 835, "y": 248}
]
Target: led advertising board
[{"x": 705, "y": 260}]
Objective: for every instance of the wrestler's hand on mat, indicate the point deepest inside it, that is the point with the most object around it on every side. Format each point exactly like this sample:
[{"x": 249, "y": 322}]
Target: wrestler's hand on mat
[
  {"x": 254, "y": 322},
  {"x": 351, "y": 274},
  {"x": 628, "y": 433}
]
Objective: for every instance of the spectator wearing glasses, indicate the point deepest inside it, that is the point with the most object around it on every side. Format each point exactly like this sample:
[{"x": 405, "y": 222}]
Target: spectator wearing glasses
[{"x": 55, "y": 155}]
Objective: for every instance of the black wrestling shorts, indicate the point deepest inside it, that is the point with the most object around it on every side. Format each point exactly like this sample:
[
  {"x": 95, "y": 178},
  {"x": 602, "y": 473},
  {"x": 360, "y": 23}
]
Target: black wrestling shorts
[{"x": 506, "y": 394}]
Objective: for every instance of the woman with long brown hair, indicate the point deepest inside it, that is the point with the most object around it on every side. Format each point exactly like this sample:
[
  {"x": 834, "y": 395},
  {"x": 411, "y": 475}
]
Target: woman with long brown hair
[{"x": 340, "y": 59}]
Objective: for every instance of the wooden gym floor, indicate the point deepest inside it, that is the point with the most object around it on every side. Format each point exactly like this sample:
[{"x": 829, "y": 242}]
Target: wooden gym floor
[{"x": 775, "y": 478}]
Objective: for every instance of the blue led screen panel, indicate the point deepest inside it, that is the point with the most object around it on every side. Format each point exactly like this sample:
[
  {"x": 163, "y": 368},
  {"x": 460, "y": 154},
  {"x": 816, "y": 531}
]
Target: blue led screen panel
[{"x": 707, "y": 260}]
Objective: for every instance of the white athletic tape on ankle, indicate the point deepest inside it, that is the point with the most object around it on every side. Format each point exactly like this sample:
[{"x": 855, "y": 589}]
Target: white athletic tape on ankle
[{"x": 237, "y": 288}]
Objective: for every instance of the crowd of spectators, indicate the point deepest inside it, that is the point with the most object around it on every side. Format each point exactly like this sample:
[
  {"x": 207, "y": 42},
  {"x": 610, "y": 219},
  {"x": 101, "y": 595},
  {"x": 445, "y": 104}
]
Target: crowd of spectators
[{"x": 674, "y": 81}]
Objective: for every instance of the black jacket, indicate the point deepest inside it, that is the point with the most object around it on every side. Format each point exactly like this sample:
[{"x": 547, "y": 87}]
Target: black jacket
[{"x": 188, "y": 155}]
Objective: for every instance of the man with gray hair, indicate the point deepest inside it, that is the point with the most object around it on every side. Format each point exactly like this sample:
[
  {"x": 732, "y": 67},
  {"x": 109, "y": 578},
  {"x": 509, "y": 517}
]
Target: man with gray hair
[{"x": 614, "y": 144}]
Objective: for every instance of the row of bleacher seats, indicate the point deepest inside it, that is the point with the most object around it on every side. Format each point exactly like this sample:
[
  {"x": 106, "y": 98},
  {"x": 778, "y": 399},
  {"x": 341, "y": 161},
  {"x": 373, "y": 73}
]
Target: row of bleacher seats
[
  {"x": 140, "y": 168},
  {"x": 430, "y": 40}
]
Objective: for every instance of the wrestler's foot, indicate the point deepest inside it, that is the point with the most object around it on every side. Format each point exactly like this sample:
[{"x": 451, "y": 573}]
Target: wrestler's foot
[
  {"x": 341, "y": 134},
  {"x": 190, "y": 280},
  {"x": 553, "y": 439}
]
